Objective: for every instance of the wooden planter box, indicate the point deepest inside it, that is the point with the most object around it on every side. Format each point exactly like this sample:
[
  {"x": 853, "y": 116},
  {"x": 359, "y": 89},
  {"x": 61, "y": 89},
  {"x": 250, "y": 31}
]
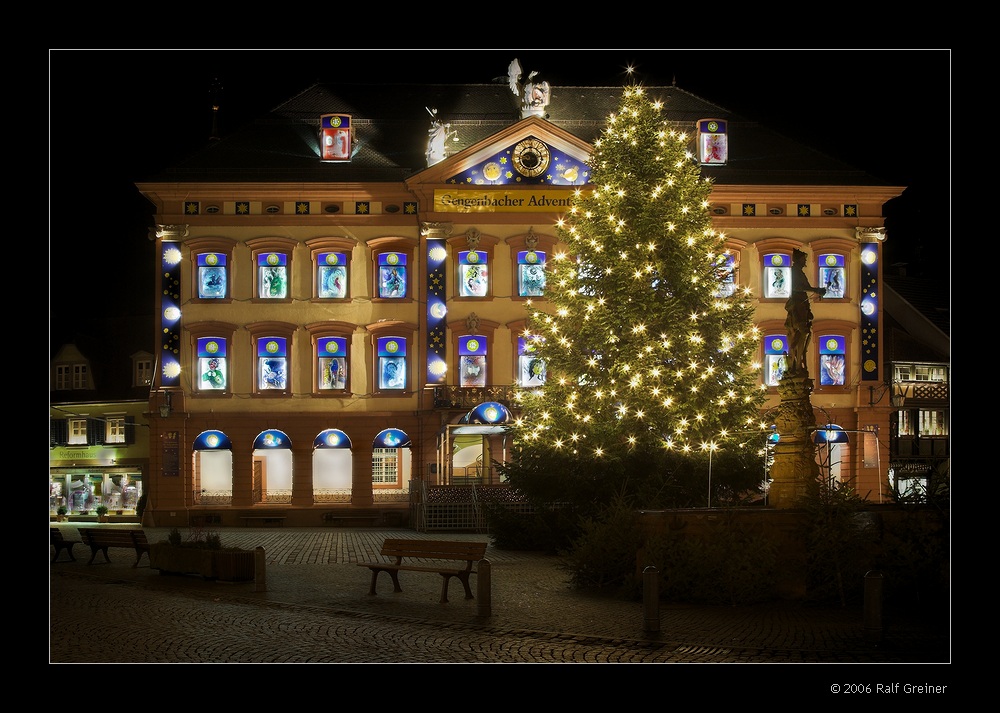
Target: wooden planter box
[{"x": 225, "y": 565}]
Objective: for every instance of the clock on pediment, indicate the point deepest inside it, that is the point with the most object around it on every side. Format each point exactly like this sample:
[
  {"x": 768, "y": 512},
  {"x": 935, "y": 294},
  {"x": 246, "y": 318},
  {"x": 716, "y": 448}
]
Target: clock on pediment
[{"x": 530, "y": 157}]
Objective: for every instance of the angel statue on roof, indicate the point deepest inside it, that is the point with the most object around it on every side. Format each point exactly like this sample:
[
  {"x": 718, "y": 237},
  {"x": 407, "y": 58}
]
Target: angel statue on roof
[
  {"x": 437, "y": 136},
  {"x": 534, "y": 92}
]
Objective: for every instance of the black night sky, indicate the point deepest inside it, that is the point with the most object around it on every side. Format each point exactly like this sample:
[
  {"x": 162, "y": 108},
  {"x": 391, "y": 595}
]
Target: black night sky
[{"x": 887, "y": 112}]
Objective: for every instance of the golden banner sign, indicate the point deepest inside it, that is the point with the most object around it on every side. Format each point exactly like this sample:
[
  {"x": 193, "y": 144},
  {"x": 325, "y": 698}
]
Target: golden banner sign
[{"x": 503, "y": 200}]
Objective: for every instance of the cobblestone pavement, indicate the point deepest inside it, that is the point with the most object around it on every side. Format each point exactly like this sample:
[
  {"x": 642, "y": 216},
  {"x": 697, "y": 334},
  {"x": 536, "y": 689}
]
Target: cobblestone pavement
[{"x": 313, "y": 606}]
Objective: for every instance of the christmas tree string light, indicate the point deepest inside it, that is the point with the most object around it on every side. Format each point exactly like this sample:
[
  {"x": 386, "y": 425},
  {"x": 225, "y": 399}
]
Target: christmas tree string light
[{"x": 642, "y": 346}]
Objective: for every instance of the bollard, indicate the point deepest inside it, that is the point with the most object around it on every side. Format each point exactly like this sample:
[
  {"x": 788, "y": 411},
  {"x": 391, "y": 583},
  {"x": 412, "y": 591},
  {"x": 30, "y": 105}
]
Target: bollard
[
  {"x": 650, "y": 599},
  {"x": 873, "y": 606},
  {"x": 484, "y": 588},
  {"x": 259, "y": 575}
]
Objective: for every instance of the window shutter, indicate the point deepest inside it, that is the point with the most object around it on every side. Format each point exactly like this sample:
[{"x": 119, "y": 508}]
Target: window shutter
[
  {"x": 58, "y": 432},
  {"x": 95, "y": 432},
  {"x": 129, "y": 430}
]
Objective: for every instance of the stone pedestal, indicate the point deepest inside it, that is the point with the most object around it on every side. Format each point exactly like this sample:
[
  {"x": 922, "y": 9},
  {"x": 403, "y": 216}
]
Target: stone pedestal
[{"x": 794, "y": 455}]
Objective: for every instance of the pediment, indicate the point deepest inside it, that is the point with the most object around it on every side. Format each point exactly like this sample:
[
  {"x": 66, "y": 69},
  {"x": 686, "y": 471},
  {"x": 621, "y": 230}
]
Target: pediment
[{"x": 532, "y": 152}]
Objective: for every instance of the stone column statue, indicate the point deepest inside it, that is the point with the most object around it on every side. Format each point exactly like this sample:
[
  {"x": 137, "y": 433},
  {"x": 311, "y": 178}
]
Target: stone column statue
[{"x": 799, "y": 319}]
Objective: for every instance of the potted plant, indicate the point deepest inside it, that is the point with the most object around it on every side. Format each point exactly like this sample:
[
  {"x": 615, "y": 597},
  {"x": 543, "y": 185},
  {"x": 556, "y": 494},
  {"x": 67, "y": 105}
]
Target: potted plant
[
  {"x": 102, "y": 513},
  {"x": 202, "y": 554},
  {"x": 61, "y": 513}
]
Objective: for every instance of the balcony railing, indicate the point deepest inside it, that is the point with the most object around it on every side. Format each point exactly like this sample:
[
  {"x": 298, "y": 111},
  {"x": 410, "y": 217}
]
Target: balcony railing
[{"x": 468, "y": 397}]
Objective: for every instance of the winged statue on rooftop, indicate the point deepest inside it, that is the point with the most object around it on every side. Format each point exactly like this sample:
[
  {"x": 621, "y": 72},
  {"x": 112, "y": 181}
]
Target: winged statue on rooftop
[{"x": 533, "y": 92}]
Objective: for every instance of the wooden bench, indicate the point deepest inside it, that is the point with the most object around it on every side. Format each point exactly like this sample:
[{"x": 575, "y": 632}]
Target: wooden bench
[
  {"x": 276, "y": 520},
  {"x": 61, "y": 543},
  {"x": 99, "y": 539},
  {"x": 441, "y": 550}
]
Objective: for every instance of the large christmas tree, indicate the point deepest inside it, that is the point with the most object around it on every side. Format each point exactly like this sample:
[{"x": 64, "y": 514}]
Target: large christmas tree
[{"x": 645, "y": 352}]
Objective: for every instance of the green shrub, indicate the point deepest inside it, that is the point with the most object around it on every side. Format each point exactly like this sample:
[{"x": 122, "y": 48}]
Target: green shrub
[
  {"x": 604, "y": 554},
  {"x": 727, "y": 564}
]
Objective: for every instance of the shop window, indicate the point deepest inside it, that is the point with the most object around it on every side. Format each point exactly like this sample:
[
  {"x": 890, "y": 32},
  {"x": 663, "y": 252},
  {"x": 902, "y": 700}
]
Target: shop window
[
  {"x": 777, "y": 276},
  {"x": 832, "y": 360},
  {"x": 212, "y": 366},
  {"x": 472, "y": 349},
  {"x": 385, "y": 466},
  {"x": 775, "y": 363}
]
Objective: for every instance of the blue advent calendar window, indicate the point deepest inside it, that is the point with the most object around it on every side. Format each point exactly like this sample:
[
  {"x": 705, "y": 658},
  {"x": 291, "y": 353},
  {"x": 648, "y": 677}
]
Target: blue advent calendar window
[
  {"x": 530, "y": 367},
  {"x": 212, "y": 279},
  {"x": 391, "y": 275},
  {"x": 726, "y": 274},
  {"x": 332, "y": 363},
  {"x": 832, "y": 275},
  {"x": 775, "y": 348},
  {"x": 472, "y": 360},
  {"x": 272, "y": 364},
  {"x": 473, "y": 274},
  {"x": 530, "y": 273},
  {"x": 391, "y": 363},
  {"x": 272, "y": 275},
  {"x": 332, "y": 276},
  {"x": 212, "y": 374},
  {"x": 777, "y": 276},
  {"x": 832, "y": 360}
]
